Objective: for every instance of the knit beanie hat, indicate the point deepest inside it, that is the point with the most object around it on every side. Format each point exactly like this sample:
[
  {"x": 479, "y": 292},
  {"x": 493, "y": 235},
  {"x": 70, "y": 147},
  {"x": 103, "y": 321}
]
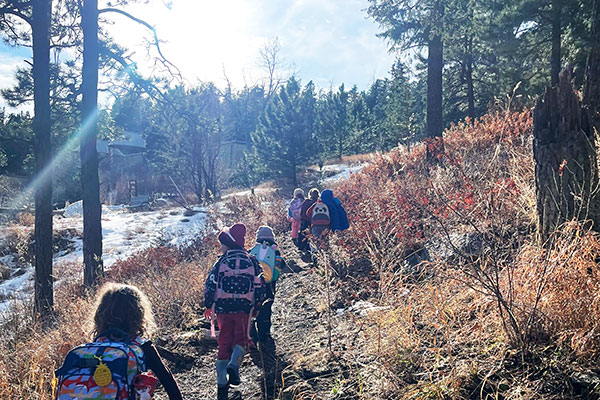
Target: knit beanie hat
[
  {"x": 298, "y": 192},
  {"x": 233, "y": 237},
  {"x": 265, "y": 233}
]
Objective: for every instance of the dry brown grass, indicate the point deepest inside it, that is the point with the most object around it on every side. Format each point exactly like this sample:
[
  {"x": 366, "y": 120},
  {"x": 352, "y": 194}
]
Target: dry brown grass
[
  {"x": 351, "y": 159},
  {"x": 32, "y": 352},
  {"x": 25, "y": 219},
  {"x": 479, "y": 321},
  {"x": 556, "y": 289}
]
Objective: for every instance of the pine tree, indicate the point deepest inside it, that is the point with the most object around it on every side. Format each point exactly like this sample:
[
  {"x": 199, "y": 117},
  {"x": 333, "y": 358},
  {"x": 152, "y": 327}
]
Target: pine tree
[
  {"x": 333, "y": 123},
  {"x": 284, "y": 137},
  {"x": 92, "y": 209},
  {"x": 44, "y": 293},
  {"x": 408, "y": 24}
]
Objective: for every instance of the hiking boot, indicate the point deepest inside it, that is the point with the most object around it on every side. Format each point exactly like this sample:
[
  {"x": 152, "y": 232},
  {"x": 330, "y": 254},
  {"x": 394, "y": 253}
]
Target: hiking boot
[
  {"x": 233, "y": 368},
  {"x": 222, "y": 392}
]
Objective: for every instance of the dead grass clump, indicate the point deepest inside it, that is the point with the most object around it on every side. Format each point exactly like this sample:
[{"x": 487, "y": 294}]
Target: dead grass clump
[
  {"x": 25, "y": 219},
  {"x": 177, "y": 295},
  {"x": 255, "y": 211},
  {"x": 557, "y": 289},
  {"x": 32, "y": 352},
  {"x": 19, "y": 242}
]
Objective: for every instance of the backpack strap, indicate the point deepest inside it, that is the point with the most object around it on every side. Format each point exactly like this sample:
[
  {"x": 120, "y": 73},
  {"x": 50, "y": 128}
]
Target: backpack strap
[{"x": 213, "y": 334}]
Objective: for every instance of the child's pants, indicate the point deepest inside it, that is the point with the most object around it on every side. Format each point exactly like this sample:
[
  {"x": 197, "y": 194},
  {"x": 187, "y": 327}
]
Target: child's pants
[
  {"x": 233, "y": 330},
  {"x": 295, "y": 228}
]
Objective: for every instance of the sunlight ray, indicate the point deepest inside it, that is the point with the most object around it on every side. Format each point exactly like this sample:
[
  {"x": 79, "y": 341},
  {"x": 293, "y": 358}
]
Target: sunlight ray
[{"x": 56, "y": 165}]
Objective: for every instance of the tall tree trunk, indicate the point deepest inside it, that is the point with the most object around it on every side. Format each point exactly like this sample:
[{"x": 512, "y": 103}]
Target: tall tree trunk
[
  {"x": 555, "y": 64},
  {"x": 469, "y": 78},
  {"x": 44, "y": 296},
  {"x": 591, "y": 88},
  {"x": 92, "y": 210},
  {"x": 566, "y": 166},
  {"x": 435, "y": 65},
  {"x": 591, "y": 97}
]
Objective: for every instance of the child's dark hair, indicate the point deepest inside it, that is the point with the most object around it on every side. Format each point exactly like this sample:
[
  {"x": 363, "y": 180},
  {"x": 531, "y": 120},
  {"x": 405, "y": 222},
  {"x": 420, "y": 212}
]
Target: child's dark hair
[
  {"x": 124, "y": 307},
  {"x": 314, "y": 194}
]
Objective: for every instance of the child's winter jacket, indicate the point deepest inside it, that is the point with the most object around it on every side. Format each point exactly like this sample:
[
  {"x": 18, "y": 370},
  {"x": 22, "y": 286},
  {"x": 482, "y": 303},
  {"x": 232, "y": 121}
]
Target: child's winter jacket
[{"x": 337, "y": 213}]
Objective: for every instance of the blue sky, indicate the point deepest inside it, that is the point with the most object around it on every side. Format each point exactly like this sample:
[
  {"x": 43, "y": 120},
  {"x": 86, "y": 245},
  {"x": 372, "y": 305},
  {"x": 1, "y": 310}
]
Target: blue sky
[{"x": 327, "y": 41}]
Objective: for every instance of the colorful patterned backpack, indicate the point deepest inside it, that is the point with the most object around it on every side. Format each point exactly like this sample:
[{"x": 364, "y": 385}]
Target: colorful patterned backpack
[
  {"x": 101, "y": 370},
  {"x": 267, "y": 258},
  {"x": 237, "y": 279},
  {"x": 296, "y": 209}
]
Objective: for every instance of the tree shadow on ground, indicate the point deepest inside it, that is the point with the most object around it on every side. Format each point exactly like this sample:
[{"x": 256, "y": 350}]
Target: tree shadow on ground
[{"x": 266, "y": 358}]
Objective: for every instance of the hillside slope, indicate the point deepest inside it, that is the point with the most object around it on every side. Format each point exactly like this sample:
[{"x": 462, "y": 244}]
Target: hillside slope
[{"x": 439, "y": 290}]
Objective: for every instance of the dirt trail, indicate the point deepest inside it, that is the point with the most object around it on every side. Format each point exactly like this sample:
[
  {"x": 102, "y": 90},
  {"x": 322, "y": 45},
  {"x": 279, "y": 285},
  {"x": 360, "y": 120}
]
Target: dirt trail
[{"x": 298, "y": 352}]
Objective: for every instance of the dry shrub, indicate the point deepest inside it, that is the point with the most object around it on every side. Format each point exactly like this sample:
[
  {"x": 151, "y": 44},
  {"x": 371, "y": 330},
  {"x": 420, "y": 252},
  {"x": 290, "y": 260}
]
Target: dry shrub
[
  {"x": 31, "y": 352},
  {"x": 153, "y": 260},
  {"x": 254, "y": 211},
  {"x": 177, "y": 294},
  {"x": 557, "y": 289},
  {"x": 397, "y": 204},
  {"x": 25, "y": 219},
  {"x": 19, "y": 241},
  {"x": 437, "y": 317}
]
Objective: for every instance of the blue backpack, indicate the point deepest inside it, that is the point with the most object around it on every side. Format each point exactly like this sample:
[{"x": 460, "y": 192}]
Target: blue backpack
[
  {"x": 267, "y": 258},
  {"x": 337, "y": 213}
]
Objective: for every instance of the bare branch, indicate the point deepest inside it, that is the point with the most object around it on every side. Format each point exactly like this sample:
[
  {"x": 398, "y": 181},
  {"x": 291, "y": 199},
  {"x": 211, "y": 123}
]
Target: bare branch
[{"x": 165, "y": 61}]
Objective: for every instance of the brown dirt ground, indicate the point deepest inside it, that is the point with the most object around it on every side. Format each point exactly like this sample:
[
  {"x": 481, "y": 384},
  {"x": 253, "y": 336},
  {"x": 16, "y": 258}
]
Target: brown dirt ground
[{"x": 297, "y": 364}]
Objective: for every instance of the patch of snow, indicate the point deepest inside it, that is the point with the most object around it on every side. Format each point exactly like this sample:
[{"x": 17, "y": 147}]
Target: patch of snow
[
  {"x": 74, "y": 209},
  {"x": 334, "y": 167},
  {"x": 8, "y": 260},
  {"x": 123, "y": 234},
  {"x": 363, "y": 308},
  {"x": 16, "y": 288},
  {"x": 343, "y": 172}
]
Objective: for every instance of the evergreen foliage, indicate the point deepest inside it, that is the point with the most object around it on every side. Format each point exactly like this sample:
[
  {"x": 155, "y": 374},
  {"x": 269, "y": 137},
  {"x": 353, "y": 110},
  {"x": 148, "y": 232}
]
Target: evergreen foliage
[
  {"x": 489, "y": 49},
  {"x": 284, "y": 137}
]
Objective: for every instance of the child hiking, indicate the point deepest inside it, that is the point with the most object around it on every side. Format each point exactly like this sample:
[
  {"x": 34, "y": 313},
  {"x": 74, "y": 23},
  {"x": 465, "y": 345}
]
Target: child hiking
[
  {"x": 294, "y": 213},
  {"x": 114, "y": 365},
  {"x": 313, "y": 196},
  {"x": 272, "y": 263},
  {"x": 327, "y": 214},
  {"x": 234, "y": 290},
  {"x": 337, "y": 213}
]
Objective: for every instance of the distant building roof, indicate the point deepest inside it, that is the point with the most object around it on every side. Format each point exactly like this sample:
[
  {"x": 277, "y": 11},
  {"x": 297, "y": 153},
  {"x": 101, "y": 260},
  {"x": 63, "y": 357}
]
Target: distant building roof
[
  {"x": 131, "y": 140},
  {"x": 102, "y": 146}
]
